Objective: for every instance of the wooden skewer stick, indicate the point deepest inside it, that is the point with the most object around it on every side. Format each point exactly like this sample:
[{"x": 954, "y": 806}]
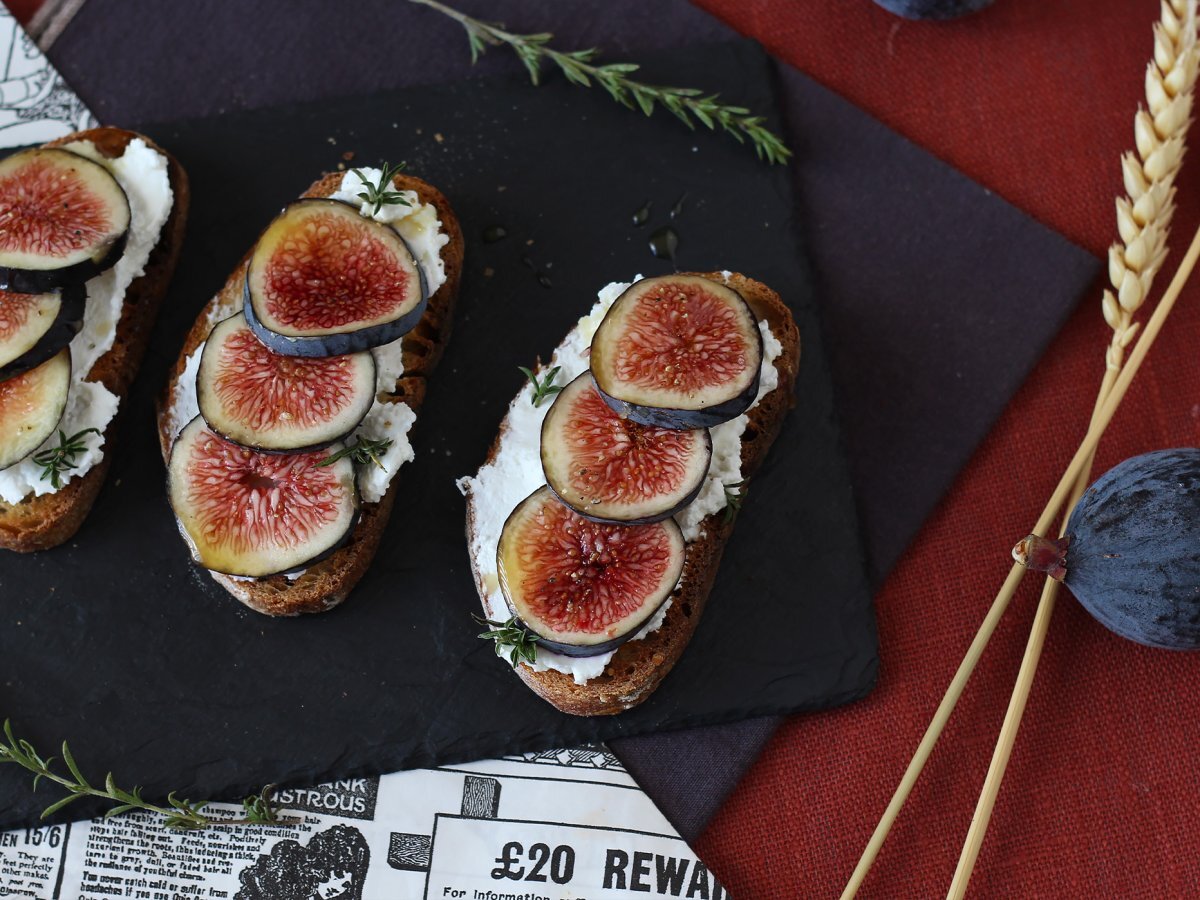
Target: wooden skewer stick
[
  {"x": 1041, "y": 622},
  {"x": 1055, "y": 504}
]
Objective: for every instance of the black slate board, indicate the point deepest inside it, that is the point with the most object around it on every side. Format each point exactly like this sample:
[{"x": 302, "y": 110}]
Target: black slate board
[{"x": 150, "y": 669}]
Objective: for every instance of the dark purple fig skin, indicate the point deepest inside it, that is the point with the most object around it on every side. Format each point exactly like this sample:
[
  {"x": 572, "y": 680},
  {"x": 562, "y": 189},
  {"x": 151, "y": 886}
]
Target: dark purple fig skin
[
  {"x": 684, "y": 419},
  {"x": 1133, "y": 549},
  {"x": 687, "y": 419},
  {"x": 576, "y": 651},
  {"x": 664, "y": 513},
  {"x": 353, "y": 341},
  {"x": 57, "y": 336},
  {"x": 43, "y": 281}
]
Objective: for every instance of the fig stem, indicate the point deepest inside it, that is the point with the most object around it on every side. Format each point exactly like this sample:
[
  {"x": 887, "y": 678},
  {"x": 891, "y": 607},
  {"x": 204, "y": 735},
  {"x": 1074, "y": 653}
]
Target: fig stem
[
  {"x": 689, "y": 105},
  {"x": 1043, "y": 555}
]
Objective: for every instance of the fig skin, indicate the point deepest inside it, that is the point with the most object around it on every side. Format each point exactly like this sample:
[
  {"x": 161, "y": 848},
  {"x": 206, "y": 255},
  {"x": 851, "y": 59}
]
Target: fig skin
[
  {"x": 42, "y": 281},
  {"x": 666, "y": 415},
  {"x": 563, "y": 492},
  {"x": 210, "y": 407},
  {"x": 543, "y": 496},
  {"x": 1131, "y": 553},
  {"x": 66, "y": 325},
  {"x": 346, "y": 342}
]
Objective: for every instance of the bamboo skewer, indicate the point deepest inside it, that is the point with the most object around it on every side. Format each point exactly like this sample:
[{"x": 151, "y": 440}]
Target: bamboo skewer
[{"x": 1066, "y": 485}]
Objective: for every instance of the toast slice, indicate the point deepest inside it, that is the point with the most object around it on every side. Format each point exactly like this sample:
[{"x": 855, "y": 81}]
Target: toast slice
[
  {"x": 639, "y": 666},
  {"x": 38, "y": 523},
  {"x": 327, "y": 583}
]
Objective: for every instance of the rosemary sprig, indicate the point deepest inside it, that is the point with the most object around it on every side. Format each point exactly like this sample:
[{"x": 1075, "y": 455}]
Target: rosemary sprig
[
  {"x": 734, "y": 494},
  {"x": 689, "y": 105},
  {"x": 513, "y": 641},
  {"x": 544, "y": 388},
  {"x": 361, "y": 452},
  {"x": 56, "y": 460},
  {"x": 179, "y": 814},
  {"x": 381, "y": 194}
]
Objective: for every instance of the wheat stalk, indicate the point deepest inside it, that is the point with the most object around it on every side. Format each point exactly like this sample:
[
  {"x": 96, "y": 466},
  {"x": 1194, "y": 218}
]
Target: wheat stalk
[{"x": 1143, "y": 223}]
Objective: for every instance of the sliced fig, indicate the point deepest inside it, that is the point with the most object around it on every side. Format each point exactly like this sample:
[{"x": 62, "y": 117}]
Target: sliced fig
[
  {"x": 265, "y": 401},
  {"x": 611, "y": 469},
  {"x": 256, "y": 514},
  {"x": 583, "y": 587},
  {"x": 678, "y": 351},
  {"x": 31, "y": 406},
  {"x": 324, "y": 280},
  {"x": 63, "y": 219},
  {"x": 34, "y": 327}
]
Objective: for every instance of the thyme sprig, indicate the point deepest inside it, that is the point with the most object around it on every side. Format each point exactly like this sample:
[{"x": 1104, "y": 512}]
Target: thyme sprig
[
  {"x": 361, "y": 452},
  {"x": 544, "y": 388},
  {"x": 513, "y": 641},
  {"x": 178, "y": 814},
  {"x": 734, "y": 494},
  {"x": 381, "y": 194},
  {"x": 56, "y": 460},
  {"x": 689, "y": 105}
]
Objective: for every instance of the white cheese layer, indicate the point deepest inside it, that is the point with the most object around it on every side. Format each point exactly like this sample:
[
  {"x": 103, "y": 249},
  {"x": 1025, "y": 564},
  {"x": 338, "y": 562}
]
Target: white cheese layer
[
  {"x": 142, "y": 173},
  {"x": 516, "y": 471},
  {"x": 419, "y": 226},
  {"x": 417, "y": 223}
]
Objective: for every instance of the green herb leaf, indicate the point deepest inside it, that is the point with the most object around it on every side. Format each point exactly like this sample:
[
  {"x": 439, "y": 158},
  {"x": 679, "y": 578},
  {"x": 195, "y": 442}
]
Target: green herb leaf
[
  {"x": 578, "y": 67},
  {"x": 178, "y": 814},
  {"x": 513, "y": 641},
  {"x": 56, "y": 460},
  {"x": 734, "y": 494},
  {"x": 361, "y": 452},
  {"x": 381, "y": 194},
  {"x": 544, "y": 388}
]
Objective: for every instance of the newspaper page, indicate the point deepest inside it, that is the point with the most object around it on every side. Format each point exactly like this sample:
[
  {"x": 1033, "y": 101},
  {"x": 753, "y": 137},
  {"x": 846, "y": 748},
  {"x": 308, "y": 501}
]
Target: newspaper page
[
  {"x": 36, "y": 104},
  {"x": 547, "y": 826}
]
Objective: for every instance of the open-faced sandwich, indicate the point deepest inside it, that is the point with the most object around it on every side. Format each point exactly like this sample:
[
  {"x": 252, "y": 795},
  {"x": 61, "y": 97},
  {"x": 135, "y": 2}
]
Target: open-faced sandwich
[
  {"x": 90, "y": 230},
  {"x": 596, "y": 525},
  {"x": 288, "y": 412}
]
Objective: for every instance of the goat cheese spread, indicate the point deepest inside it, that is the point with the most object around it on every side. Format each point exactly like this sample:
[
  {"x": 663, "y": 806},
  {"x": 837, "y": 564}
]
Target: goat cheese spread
[{"x": 516, "y": 471}]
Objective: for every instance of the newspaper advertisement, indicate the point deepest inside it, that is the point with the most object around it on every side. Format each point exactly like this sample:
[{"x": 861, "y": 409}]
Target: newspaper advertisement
[{"x": 545, "y": 826}]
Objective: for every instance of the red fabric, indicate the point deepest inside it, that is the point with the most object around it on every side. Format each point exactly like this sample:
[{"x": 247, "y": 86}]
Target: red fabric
[
  {"x": 23, "y": 9},
  {"x": 1035, "y": 101}
]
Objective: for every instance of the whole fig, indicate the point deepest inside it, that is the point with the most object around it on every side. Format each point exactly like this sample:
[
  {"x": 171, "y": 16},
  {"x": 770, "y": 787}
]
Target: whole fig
[
  {"x": 1131, "y": 552},
  {"x": 933, "y": 9}
]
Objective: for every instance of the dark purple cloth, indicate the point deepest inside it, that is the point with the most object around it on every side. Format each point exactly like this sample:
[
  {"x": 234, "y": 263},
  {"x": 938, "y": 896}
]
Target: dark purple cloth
[{"x": 914, "y": 262}]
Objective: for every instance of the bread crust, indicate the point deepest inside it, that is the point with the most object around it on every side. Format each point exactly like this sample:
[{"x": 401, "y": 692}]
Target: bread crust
[
  {"x": 638, "y": 667},
  {"x": 328, "y": 583},
  {"x": 39, "y": 523}
]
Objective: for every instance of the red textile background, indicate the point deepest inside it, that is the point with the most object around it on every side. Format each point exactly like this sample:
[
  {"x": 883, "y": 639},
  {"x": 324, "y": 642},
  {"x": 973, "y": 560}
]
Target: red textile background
[{"x": 1035, "y": 101}]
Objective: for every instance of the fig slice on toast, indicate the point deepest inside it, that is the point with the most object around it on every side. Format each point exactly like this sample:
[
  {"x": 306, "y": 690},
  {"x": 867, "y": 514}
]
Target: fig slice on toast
[
  {"x": 31, "y": 406},
  {"x": 255, "y": 514},
  {"x": 607, "y": 468},
  {"x": 63, "y": 219},
  {"x": 583, "y": 587},
  {"x": 678, "y": 351},
  {"x": 324, "y": 280},
  {"x": 34, "y": 327},
  {"x": 265, "y": 401}
]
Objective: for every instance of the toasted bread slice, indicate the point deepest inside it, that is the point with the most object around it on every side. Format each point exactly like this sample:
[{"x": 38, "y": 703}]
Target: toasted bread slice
[
  {"x": 638, "y": 667},
  {"x": 38, "y": 523},
  {"x": 327, "y": 583}
]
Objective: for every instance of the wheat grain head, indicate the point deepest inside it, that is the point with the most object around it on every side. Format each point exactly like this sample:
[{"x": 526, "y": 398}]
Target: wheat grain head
[{"x": 1144, "y": 213}]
